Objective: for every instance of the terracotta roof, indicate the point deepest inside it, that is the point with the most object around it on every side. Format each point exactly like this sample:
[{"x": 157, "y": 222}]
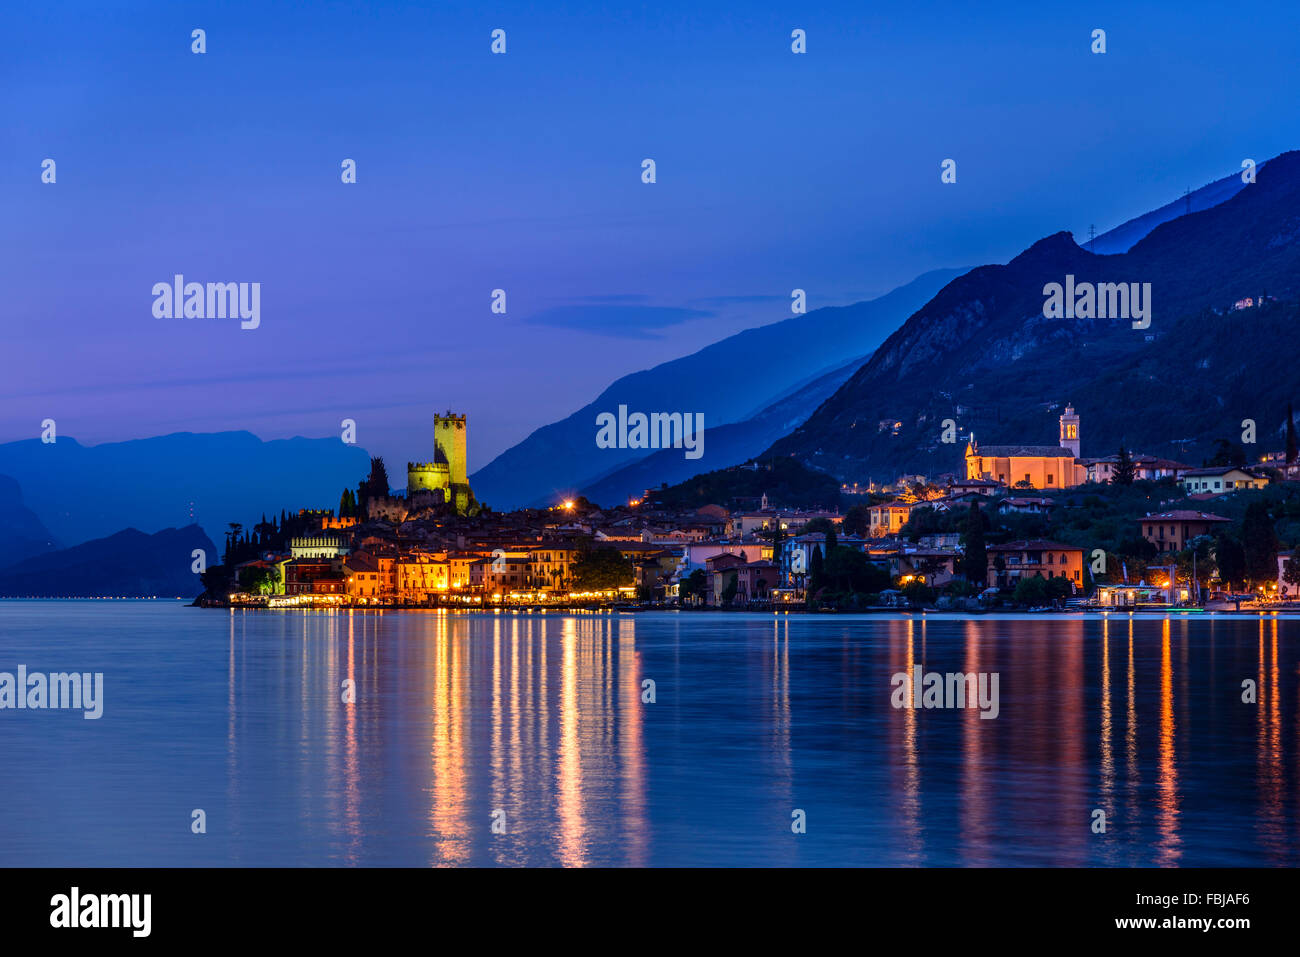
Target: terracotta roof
[
  {"x": 1033, "y": 545},
  {"x": 1023, "y": 451},
  {"x": 1184, "y": 515}
]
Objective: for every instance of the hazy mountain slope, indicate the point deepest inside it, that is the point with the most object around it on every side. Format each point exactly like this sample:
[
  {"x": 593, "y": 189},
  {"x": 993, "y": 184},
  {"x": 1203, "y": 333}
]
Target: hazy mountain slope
[
  {"x": 1124, "y": 236},
  {"x": 726, "y": 381},
  {"x": 981, "y": 352},
  {"x": 86, "y": 492},
  {"x": 129, "y": 564},
  {"x": 22, "y": 534},
  {"x": 726, "y": 445}
]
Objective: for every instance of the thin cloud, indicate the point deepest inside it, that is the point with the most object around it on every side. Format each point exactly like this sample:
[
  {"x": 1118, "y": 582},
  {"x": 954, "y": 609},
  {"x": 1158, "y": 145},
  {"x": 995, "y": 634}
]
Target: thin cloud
[{"x": 615, "y": 320}]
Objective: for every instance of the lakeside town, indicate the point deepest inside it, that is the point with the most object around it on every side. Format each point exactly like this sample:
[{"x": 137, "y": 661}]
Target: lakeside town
[{"x": 1036, "y": 527}]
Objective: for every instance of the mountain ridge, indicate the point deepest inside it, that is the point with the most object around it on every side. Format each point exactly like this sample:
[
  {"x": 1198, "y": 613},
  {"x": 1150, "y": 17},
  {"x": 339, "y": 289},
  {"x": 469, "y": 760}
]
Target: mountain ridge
[
  {"x": 717, "y": 380},
  {"x": 982, "y": 353}
]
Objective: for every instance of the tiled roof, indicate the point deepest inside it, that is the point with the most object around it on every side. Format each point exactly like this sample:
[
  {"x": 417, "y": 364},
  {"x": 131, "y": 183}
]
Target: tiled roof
[
  {"x": 1184, "y": 515},
  {"x": 1023, "y": 451},
  {"x": 1033, "y": 545}
]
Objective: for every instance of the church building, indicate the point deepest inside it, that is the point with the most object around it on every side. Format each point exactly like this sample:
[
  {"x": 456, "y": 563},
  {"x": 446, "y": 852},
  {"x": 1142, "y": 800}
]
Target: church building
[{"x": 1035, "y": 466}]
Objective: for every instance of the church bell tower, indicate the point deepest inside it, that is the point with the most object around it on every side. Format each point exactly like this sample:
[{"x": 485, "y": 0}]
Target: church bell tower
[{"x": 1070, "y": 431}]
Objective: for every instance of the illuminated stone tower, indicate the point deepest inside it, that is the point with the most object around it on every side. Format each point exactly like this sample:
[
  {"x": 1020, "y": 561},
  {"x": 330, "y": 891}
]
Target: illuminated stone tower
[
  {"x": 1070, "y": 431},
  {"x": 449, "y": 446}
]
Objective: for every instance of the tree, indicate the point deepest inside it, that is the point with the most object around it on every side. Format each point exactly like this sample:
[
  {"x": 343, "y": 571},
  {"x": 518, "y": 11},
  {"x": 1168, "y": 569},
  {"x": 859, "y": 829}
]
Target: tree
[
  {"x": 1031, "y": 591},
  {"x": 1292, "y": 450},
  {"x": 376, "y": 485},
  {"x": 1259, "y": 543},
  {"x": 261, "y": 581},
  {"x": 817, "y": 525},
  {"x": 1227, "y": 453},
  {"x": 729, "y": 590},
  {"x": 693, "y": 585},
  {"x": 1291, "y": 572},
  {"x": 601, "y": 569},
  {"x": 919, "y": 593},
  {"x": 778, "y": 538},
  {"x": 974, "y": 562},
  {"x": 923, "y": 520},
  {"x": 1059, "y": 588},
  {"x": 1231, "y": 559},
  {"x": 857, "y": 521},
  {"x": 232, "y": 544},
  {"x": 1125, "y": 469},
  {"x": 816, "y": 568},
  {"x": 848, "y": 569}
]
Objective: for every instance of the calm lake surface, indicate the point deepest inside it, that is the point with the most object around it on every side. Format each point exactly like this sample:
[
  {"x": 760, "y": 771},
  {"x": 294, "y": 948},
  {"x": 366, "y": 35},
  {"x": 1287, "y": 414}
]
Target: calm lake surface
[{"x": 458, "y": 716}]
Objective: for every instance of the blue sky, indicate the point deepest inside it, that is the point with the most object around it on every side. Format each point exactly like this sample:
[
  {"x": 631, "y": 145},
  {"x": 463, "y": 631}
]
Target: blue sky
[{"x": 523, "y": 172}]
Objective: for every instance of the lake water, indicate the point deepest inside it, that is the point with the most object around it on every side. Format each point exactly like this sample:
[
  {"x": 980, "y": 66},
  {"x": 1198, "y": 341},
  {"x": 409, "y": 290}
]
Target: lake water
[{"x": 537, "y": 722}]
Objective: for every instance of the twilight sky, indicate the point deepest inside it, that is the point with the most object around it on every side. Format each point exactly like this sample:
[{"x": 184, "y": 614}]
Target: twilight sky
[{"x": 523, "y": 172}]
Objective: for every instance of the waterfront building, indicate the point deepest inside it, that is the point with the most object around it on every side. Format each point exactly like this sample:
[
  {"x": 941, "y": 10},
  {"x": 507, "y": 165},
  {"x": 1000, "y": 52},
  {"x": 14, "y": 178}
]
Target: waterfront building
[{"x": 1171, "y": 531}]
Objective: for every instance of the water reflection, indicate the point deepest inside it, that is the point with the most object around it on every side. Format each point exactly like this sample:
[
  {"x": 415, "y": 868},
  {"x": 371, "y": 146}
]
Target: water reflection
[{"x": 513, "y": 739}]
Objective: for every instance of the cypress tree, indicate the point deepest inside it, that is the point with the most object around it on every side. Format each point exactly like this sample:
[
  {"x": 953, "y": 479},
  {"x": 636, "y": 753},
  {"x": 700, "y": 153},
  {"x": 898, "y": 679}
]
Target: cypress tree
[
  {"x": 1125, "y": 470},
  {"x": 1259, "y": 541},
  {"x": 815, "y": 567},
  {"x": 1292, "y": 450},
  {"x": 974, "y": 562}
]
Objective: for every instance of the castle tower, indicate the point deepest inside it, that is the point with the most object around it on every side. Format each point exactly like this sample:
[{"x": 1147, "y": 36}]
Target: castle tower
[
  {"x": 1070, "y": 431},
  {"x": 449, "y": 445}
]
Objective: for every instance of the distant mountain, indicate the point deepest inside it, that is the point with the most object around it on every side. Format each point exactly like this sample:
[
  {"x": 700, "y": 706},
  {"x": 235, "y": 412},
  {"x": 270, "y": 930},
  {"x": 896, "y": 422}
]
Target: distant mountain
[
  {"x": 86, "y": 492},
  {"x": 982, "y": 353},
  {"x": 129, "y": 564},
  {"x": 22, "y": 533},
  {"x": 726, "y": 381},
  {"x": 724, "y": 445}
]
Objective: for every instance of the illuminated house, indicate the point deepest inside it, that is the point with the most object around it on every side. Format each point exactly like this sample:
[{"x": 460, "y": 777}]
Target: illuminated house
[
  {"x": 1221, "y": 479},
  {"x": 1171, "y": 531},
  {"x": 1028, "y": 559},
  {"x": 888, "y": 517},
  {"x": 550, "y": 565}
]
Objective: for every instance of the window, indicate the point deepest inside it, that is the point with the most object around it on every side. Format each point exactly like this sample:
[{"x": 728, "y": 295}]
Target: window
[{"x": 1050, "y": 478}]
